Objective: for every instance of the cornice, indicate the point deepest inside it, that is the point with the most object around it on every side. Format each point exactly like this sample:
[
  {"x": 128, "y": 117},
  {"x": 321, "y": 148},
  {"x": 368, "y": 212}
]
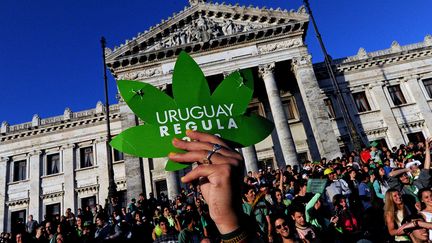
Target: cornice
[
  {"x": 377, "y": 59},
  {"x": 21, "y": 131},
  {"x": 377, "y": 131},
  {"x": 22, "y": 201},
  {"x": 413, "y": 124},
  {"x": 88, "y": 188},
  {"x": 52, "y": 195}
]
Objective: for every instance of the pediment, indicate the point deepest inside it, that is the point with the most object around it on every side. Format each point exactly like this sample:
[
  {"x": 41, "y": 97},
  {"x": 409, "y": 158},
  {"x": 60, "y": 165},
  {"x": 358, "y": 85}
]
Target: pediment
[{"x": 205, "y": 26}]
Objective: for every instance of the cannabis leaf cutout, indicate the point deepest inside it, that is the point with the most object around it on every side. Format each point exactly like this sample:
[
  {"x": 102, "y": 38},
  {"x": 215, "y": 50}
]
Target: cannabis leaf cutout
[{"x": 193, "y": 107}]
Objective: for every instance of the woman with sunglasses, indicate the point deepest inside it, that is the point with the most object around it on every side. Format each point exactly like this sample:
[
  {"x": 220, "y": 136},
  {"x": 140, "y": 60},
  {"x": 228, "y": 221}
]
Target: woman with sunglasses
[{"x": 283, "y": 231}]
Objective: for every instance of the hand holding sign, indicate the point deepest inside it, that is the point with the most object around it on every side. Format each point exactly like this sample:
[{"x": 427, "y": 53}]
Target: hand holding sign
[{"x": 192, "y": 108}]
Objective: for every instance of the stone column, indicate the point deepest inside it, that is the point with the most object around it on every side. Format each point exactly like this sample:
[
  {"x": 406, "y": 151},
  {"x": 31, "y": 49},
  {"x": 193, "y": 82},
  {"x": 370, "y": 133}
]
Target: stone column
[
  {"x": 133, "y": 168},
  {"x": 35, "y": 182},
  {"x": 421, "y": 101},
  {"x": 147, "y": 175},
  {"x": 394, "y": 134},
  {"x": 281, "y": 123},
  {"x": 250, "y": 158},
  {"x": 102, "y": 163},
  {"x": 3, "y": 191},
  {"x": 320, "y": 123},
  {"x": 172, "y": 184},
  {"x": 68, "y": 166}
]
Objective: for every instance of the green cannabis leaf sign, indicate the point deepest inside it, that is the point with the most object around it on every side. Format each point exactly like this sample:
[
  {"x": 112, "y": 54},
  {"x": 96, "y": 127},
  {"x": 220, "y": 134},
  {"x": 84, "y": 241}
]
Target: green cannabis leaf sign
[{"x": 192, "y": 108}]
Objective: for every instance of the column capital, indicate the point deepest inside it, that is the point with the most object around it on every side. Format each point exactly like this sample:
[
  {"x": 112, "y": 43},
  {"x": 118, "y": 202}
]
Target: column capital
[
  {"x": 101, "y": 140},
  {"x": 266, "y": 69},
  {"x": 68, "y": 146},
  {"x": 301, "y": 61},
  {"x": 4, "y": 159},
  {"x": 35, "y": 152}
]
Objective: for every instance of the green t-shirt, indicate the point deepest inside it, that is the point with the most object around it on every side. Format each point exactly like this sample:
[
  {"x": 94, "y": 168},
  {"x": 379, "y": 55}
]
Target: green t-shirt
[{"x": 260, "y": 213}]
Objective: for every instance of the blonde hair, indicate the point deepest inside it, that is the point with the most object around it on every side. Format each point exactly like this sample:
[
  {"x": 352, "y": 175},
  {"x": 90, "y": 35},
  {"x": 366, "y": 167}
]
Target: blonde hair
[{"x": 390, "y": 208}]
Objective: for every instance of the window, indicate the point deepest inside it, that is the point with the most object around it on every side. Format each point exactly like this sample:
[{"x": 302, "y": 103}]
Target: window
[
  {"x": 117, "y": 155},
  {"x": 302, "y": 157},
  {"x": 396, "y": 95},
  {"x": 416, "y": 137},
  {"x": 53, "y": 164},
  {"x": 52, "y": 210},
  {"x": 265, "y": 163},
  {"x": 361, "y": 102},
  {"x": 428, "y": 86},
  {"x": 86, "y": 157},
  {"x": 161, "y": 187},
  {"x": 289, "y": 108},
  {"x": 88, "y": 201},
  {"x": 18, "y": 218},
  {"x": 329, "y": 106},
  {"x": 20, "y": 170}
]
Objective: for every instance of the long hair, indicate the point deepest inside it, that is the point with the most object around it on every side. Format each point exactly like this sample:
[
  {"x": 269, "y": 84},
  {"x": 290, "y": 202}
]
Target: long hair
[{"x": 390, "y": 208}]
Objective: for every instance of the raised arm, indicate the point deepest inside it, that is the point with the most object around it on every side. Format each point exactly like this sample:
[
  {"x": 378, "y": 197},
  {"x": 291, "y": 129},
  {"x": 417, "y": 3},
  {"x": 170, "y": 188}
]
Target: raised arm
[
  {"x": 216, "y": 175},
  {"x": 427, "y": 155},
  {"x": 395, "y": 173},
  {"x": 310, "y": 204},
  {"x": 281, "y": 182}
]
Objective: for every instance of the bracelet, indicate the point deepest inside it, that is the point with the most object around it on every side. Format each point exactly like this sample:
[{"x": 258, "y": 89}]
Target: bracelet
[{"x": 236, "y": 236}]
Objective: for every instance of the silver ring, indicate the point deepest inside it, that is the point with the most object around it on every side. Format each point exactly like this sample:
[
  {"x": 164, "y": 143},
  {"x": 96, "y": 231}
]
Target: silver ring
[
  {"x": 216, "y": 147},
  {"x": 207, "y": 160}
]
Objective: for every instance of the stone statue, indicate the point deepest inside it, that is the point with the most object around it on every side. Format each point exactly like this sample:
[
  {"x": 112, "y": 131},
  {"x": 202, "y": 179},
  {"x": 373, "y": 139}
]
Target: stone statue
[{"x": 228, "y": 27}]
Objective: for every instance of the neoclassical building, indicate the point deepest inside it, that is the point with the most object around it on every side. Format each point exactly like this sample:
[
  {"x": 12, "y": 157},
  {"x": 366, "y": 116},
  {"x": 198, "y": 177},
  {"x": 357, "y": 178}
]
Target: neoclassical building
[{"x": 48, "y": 165}]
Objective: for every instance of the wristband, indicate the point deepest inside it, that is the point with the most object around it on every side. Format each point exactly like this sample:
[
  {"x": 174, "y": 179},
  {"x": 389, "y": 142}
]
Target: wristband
[{"x": 238, "y": 235}]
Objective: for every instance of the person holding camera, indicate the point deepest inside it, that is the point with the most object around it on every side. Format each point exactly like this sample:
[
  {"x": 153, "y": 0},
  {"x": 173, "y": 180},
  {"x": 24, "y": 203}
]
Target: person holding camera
[{"x": 346, "y": 220}]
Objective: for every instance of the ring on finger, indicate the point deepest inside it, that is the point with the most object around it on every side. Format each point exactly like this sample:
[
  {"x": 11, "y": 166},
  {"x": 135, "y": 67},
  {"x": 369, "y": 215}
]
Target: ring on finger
[
  {"x": 207, "y": 159},
  {"x": 216, "y": 147}
]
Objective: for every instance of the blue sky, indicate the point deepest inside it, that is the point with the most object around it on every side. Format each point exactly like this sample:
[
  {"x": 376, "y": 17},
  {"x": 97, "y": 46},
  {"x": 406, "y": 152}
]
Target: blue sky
[{"x": 50, "y": 56}]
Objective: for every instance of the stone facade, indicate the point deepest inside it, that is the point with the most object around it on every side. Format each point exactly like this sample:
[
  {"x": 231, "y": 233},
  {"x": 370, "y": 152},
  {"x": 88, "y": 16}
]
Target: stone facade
[
  {"x": 43, "y": 164},
  {"x": 290, "y": 90},
  {"x": 389, "y": 92}
]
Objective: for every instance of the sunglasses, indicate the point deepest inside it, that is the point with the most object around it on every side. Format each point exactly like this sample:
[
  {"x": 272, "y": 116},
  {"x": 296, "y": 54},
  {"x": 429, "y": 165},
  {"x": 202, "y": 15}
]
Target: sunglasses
[{"x": 284, "y": 224}]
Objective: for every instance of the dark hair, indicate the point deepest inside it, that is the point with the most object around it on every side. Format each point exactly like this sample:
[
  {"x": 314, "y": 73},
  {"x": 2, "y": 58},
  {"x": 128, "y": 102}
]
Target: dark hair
[
  {"x": 337, "y": 199},
  {"x": 188, "y": 218},
  {"x": 246, "y": 188},
  {"x": 163, "y": 219},
  {"x": 419, "y": 196},
  {"x": 296, "y": 208},
  {"x": 101, "y": 216}
]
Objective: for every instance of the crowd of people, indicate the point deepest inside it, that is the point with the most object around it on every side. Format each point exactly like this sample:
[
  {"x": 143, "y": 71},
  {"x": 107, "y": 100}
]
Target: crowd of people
[{"x": 378, "y": 194}]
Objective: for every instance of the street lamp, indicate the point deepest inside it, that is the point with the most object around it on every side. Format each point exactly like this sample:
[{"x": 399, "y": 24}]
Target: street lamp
[
  {"x": 355, "y": 138},
  {"x": 112, "y": 187}
]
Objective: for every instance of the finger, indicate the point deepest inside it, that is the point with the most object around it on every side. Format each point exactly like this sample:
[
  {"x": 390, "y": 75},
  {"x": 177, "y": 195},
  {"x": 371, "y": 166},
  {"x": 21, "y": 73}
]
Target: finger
[
  {"x": 206, "y": 171},
  {"x": 205, "y": 137},
  {"x": 195, "y": 145},
  {"x": 200, "y": 156}
]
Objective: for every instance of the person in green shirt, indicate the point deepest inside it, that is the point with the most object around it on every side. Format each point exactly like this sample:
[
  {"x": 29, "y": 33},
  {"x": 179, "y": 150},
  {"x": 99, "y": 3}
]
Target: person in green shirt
[
  {"x": 255, "y": 207},
  {"x": 189, "y": 234}
]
